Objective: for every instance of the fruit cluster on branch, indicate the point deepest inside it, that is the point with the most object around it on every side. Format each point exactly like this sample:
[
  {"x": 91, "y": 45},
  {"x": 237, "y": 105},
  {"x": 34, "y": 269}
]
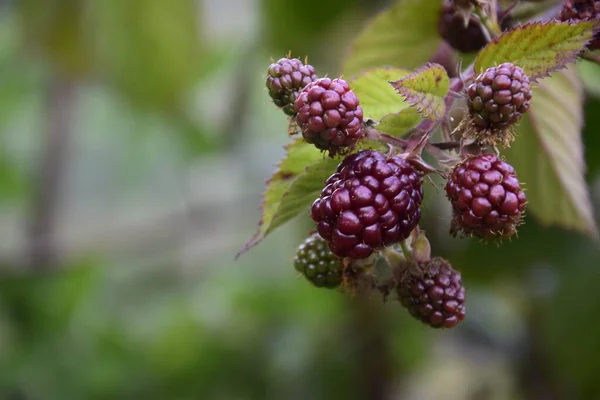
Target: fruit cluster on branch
[{"x": 370, "y": 206}]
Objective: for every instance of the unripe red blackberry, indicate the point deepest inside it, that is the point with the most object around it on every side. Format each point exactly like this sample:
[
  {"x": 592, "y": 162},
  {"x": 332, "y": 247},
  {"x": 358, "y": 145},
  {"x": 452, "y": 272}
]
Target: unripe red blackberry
[
  {"x": 486, "y": 196},
  {"x": 433, "y": 293},
  {"x": 315, "y": 261},
  {"x": 497, "y": 100},
  {"x": 329, "y": 115},
  {"x": 370, "y": 201},
  {"x": 582, "y": 10},
  {"x": 285, "y": 79}
]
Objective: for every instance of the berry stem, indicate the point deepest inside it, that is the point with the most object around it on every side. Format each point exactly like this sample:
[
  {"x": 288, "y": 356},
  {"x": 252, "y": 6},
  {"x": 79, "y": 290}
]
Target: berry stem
[
  {"x": 406, "y": 251},
  {"x": 490, "y": 24}
]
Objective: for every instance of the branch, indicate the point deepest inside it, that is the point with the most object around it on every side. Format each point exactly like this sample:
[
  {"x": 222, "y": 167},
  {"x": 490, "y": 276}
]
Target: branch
[{"x": 60, "y": 102}]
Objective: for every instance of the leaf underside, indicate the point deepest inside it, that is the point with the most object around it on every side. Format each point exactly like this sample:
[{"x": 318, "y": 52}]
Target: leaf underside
[
  {"x": 537, "y": 47},
  {"x": 425, "y": 90},
  {"x": 548, "y": 155}
]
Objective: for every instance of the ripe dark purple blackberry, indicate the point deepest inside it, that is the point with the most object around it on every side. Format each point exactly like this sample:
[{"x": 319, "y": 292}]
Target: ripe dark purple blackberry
[
  {"x": 582, "y": 10},
  {"x": 369, "y": 202},
  {"x": 451, "y": 27},
  {"x": 497, "y": 100},
  {"x": 285, "y": 79},
  {"x": 486, "y": 196},
  {"x": 433, "y": 293},
  {"x": 329, "y": 114},
  {"x": 315, "y": 261}
]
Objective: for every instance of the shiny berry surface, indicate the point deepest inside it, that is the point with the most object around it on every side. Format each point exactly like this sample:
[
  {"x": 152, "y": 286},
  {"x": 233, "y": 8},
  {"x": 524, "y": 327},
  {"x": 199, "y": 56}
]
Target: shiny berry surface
[
  {"x": 285, "y": 79},
  {"x": 486, "y": 196},
  {"x": 499, "y": 97},
  {"x": 329, "y": 115},
  {"x": 370, "y": 201},
  {"x": 315, "y": 261},
  {"x": 435, "y": 295}
]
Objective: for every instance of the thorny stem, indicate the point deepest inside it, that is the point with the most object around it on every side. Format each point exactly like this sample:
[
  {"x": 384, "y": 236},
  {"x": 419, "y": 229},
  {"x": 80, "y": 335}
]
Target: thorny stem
[{"x": 490, "y": 23}]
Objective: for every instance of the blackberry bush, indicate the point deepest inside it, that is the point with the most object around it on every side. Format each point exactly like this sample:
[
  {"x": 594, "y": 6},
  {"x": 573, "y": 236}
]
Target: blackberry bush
[{"x": 365, "y": 200}]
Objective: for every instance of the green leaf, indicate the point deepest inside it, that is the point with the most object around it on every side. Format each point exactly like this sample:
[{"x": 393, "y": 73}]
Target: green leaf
[
  {"x": 303, "y": 191},
  {"x": 589, "y": 72},
  {"x": 399, "y": 124},
  {"x": 425, "y": 90},
  {"x": 403, "y": 36},
  {"x": 538, "y": 47},
  {"x": 377, "y": 97},
  {"x": 548, "y": 155},
  {"x": 294, "y": 165}
]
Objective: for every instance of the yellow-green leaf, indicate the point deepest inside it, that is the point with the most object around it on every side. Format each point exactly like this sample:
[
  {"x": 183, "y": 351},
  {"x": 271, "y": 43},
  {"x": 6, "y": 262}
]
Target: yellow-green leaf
[
  {"x": 404, "y": 36},
  {"x": 538, "y": 47},
  {"x": 548, "y": 155},
  {"x": 377, "y": 97},
  {"x": 401, "y": 123},
  {"x": 425, "y": 90}
]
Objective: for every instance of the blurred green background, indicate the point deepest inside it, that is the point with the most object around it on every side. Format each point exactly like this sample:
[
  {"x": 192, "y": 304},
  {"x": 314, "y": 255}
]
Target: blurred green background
[{"x": 135, "y": 138}]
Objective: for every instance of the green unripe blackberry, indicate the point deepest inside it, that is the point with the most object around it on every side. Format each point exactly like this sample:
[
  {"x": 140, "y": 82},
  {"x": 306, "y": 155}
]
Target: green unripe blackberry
[{"x": 317, "y": 263}]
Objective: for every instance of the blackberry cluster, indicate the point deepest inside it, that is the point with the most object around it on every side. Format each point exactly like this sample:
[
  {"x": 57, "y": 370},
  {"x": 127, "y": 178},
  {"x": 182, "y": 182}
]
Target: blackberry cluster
[
  {"x": 582, "y": 10},
  {"x": 329, "y": 114},
  {"x": 433, "y": 294},
  {"x": 499, "y": 97},
  {"x": 315, "y": 261},
  {"x": 285, "y": 79},
  {"x": 369, "y": 202},
  {"x": 486, "y": 196}
]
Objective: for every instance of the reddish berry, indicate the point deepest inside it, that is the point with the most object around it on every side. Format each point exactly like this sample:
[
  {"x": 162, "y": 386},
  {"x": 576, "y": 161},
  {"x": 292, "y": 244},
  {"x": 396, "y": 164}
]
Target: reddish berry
[
  {"x": 499, "y": 96},
  {"x": 369, "y": 202},
  {"x": 582, "y": 10},
  {"x": 329, "y": 115},
  {"x": 461, "y": 29},
  {"x": 316, "y": 262},
  {"x": 486, "y": 197},
  {"x": 433, "y": 294},
  {"x": 285, "y": 79},
  {"x": 464, "y": 38}
]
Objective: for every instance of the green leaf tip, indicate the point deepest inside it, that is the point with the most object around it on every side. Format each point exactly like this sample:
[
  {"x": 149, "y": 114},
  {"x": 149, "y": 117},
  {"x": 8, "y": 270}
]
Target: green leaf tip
[{"x": 425, "y": 90}]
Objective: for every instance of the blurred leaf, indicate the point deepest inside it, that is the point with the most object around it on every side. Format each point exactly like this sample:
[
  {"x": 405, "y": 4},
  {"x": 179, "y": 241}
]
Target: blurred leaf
[
  {"x": 149, "y": 49},
  {"x": 591, "y": 138},
  {"x": 299, "y": 156},
  {"x": 548, "y": 155},
  {"x": 377, "y": 97},
  {"x": 296, "y": 25},
  {"x": 425, "y": 89},
  {"x": 399, "y": 124},
  {"x": 404, "y": 36},
  {"x": 58, "y": 30},
  {"x": 589, "y": 72},
  {"x": 538, "y": 47}
]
